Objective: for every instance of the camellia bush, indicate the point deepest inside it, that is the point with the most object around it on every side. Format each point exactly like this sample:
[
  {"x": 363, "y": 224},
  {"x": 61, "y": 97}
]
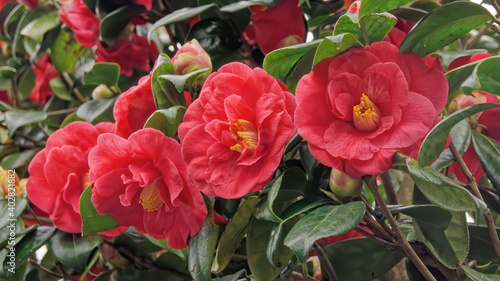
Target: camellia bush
[{"x": 249, "y": 140}]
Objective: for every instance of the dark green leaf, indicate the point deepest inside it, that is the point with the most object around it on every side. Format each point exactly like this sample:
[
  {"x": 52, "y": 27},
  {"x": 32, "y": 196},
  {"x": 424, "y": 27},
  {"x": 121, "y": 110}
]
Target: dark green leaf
[
  {"x": 26, "y": 84},
  {"x": 435, "y": 140},
  {"x": 375, "y": 6},
  {"x": 96, "y": 111},
  {"x": 9, "y": 213},
  {"x": 60, "y": 89},
  {"x": 166, "y": 120},
  {"x": 232, "y": 277},
  {"x": 375, "y": 27},
  {"x": 488, "y": 75},
  {"x": 19, "y": 118},
  {"x": 178, "y": 16},
  {"x": 461, "y": 137},
  {"x": 202, "y": 249},
  {"x": 18, "y": 159},
  {"x": 65, "y": 52},
  {"x": 140, "y": 244},
  {"x": 180, "y": 81},
  {"x": 303, "y": 67},
  {"x": 442, "y": 26},
  {"x": 275, "y": 242},
  {"x": 6, "y": 75},
  {"x": 106, "y": 73},
  {"x": 279, "y": 63},
  {"x": 13, "y": 15},
  {"x": 478, "y": 276},
  {"x": 71, "y": 118},
  {"x": 173, "y": 261},
  {"x": 105, "y": 276},
  {"x": 324, "y": 221},
  {"x": 164, "y": 92},
  {"x": 217, "y": 38},
  {"x": 488, "y": 152},
  {"x": 234, "y": 7},
  {"x": 334, "y": 45},
  {"x": 92, "y": 222},
  {"x": 431, "y": 214},
  {"x": 73, "y": 250},
  {"x": 348, "y": 23},
  {"x": 39, "y": 26},
  {"x": 457, "y": 77},
  {"x": 113, "y": 23},
  {"x": 360, "y": 259},
  {"x": 481, "y": 247},
  {"x": 234, "y": 233}
]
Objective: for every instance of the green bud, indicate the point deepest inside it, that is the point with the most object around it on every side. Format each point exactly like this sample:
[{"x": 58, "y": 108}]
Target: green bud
[{"x": 344, "y": 186}]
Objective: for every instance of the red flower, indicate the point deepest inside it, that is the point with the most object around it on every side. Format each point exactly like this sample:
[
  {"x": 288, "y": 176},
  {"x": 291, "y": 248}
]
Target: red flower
[
  {"x": 191, "y": 57},
  {"x": 45, "y": 71},
  {"x": 128, "y": 53},
  {"x": 142, "y": 182},
  {"x": 29, "y": 3},
  {"x": 60, "y": 172},
  {"x": 81, "y": 20},
  {"x": 233, "y": 136},
  {"x": 146, "y": 3},
  {"x": 358, "y": 108},
  {"x": 468, "y": 59},
  {"x": 487, "y": 123},
  {"x": 277, "y": 27},
  {"x": 133, "y": 108}
]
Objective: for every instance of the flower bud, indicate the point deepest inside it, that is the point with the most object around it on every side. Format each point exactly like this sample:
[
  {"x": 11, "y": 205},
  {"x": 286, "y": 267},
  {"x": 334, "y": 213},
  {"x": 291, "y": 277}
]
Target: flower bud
[
  {"x": 102, "y": 92},
  {"x": 191, "y": 57},
  {"x": 344, "y": 186}
]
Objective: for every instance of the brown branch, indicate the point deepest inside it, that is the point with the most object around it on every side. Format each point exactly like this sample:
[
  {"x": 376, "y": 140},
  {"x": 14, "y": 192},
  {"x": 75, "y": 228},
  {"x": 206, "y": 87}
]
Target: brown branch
[
  {"x": 69, "y": 83},
  {"x": 323, "y": 259},
  {"x": 479, "y": 34},
  {"x": 48, "y": 271},
  {"x": 61, "y": 112},
  {"x": 392, "y": 196},
  {"x": 387, "y": 231}
]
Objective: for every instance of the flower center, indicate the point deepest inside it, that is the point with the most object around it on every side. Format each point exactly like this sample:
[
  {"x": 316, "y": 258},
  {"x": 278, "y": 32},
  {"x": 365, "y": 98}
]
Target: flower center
[
  {"x": 245, "y": 134},
  {"x": 366, "y": 115},
  {"x": 150, "y": 199}
]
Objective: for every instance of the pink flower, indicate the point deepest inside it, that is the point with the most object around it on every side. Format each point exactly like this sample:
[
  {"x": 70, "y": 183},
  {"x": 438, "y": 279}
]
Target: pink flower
[
  {"x": 60, "y": 172},
  {"x": 277, "y": 27},
  {"x": 133, "y": 108},
  {"x": 45, "y": 71},
  {"x": 191, "y": 57},
  {"x": 358, "y": 108},
  {"x": 81, "y": 20},
  {"x": 142, "y": 182},
  {"x": 233, "y": 136},
  {"x": 468, "y": 59},
  {"x": 128, "y": 54},
  {"x": 146, "y": 3},
  {"x": 29, "y": 3}
]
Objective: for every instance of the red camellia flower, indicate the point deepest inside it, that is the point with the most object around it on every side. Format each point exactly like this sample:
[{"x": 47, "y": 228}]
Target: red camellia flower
[
  {"x": 45, "y": 71},
  {"x": 29, "y": 3},
  {"x": 142, "y": 182},
  {"x": 128, "y": 53},
  {"x": 277, "y": 27},
  {"x": 358, "y": 108},
  {"x": 81, "y": 20},
  {"x": 60, "y": 172},
  {"x": 233, "y": 136},
  {"x": 146, "y": 3},
  {"x": 133, "y": 108}
]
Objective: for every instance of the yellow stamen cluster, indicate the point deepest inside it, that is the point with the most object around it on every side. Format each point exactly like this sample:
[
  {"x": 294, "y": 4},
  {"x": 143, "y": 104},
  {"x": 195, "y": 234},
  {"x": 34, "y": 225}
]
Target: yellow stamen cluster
[
  {"x": 150, "y": 198},
  {"x": 366, "y": 115},
  {"x": 245, "y": 133}
]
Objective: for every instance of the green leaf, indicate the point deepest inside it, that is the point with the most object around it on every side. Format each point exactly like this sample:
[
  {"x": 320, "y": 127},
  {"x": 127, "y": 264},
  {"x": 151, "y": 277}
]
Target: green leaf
[
  {"x": 375, "y": 6},
  {"x": 430, "y": 214},
  {"x": 461, "y": 137},
  {"x": 28, "y": 246},
  {"x": 334, "y": 45},
  {"x": 164, "y": 91},
  {"x": 178, "y": 16},
  {"x": 435, "y": 140},
  {"x": 18, "y": 159},
  {"x": 26, "y": 84},
  {"x": 92, "y": 222},
  {"x": 70, "y": 118},
  {"x": 8, "y": 213},
  {"x": 258, "y": 234},
  {"x": 457, "y": 77},
  {"x": 140, "y": 244},
  {"x": 360, "y": 259},
  {"x": 234, "y": 7},
  {"x": 96, "y": 111},
  {"x": 39, "y": 26},
  {"x": 375, "y": 27},
  {"x": 15, "y": 119},
  {"x": 448, "y": 56},
  {"x": 274, "y": 252},
  {"x": 60, "y": 89},
  {"x": 106, "y": 73},
  {"x": 488, "y": 152},
  {"x": 442, "y": 26},
  {"x": 303, "y": 67},
  {"x": 113, "y": 23},
  {"x": 65, "y": 52},
  {"x": 481, "y": 247},
  {"x": 73, "y": 250},
  {"x": 202, "y": 249},
  {"x": 6, "y": 75},
  {"x": 174, "y": 261},
  {"x": 279, "y": 63},
  {"x": 234, "y": 233},
  {"x": 348, "y": 23},
  {"x": 232, "y": 277},
  {"x": 324, "y": 221},
  {"x": 478, "y": 276},
  {"x": 488, "y": 75},
  {"x": 180, "y": 81},
  {"x": 218, "y": 39},
  {"x": 166, "y": 120}
]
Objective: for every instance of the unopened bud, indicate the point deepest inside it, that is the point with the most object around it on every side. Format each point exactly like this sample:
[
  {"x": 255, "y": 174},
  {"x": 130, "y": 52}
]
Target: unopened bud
[
  {"x": 191, "y": 57},
  {"x": 344, "y": 186},
  {"x": 113, "y": 256},
  {"x": 102, "y": 92}
]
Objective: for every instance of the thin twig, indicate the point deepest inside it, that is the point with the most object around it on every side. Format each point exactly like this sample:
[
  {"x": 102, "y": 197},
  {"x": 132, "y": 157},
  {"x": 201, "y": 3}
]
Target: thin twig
[
  {"x": 61, "y": 112},
  {"x": 402, "y": 242},
  {"x": 46, "y": 270},
  {"x": 392, "y": 196},
  {"x": 323, "y": 259},
  {"x": 69, "y": 83},
  {"x": 35, "y": 217},
  {"x": 475, "y": 190},
  {"x": 473, "y": 41},
  {"x": 384, "y": 226},
  {"x": 495, "y": 5},
  {"x": 378, "y": 229}
]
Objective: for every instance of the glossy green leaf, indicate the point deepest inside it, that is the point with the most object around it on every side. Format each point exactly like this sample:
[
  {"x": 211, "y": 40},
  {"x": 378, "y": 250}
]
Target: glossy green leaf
[
  {"x": 18, "y": 159},
  {"x": 39, "y": 26},
  {"x": 70, "y": 118},
  {"x": 275, "y": 243},
  {"x": 180, "y": 81},
  {"x": 461, "y": 137},
  {"x": 92, "y": 222},
  {"x": 375, "y": 6},
  {"x": 444, "y": 25},
  {"x": 431, "y": 214},
  {"x": 334, "y": 45},
  {"x": 178, "y": 16},
  {"x": 73, "y": 250},
  {"x": 258, "y": 234},
  {"x": 113, "y": 23},
  {"x": 218, "y": 39},
  {"x": 234, "y": 233},
  {"x": 279, "y": 63},
  {"x": 457, "y": 77},
  {"x": 106, "y": 73},
  {"x": 481, "y": 247},
  {"x": 348, "y": 23},
  {"x": 360, "y": 259},
  {"x": 65, "y": 52},
  {"x": 19, "y": 118},
  {"x": 447, "y": 57},
  {"x": 164, "y": 91},
  {"x": 8, "y": 213},
  {"x": 475, "y": 275},
  {"x": 488, "y": 75},
  {"x": 96, "y": 111},
  {"x": 324, "y": 221},
  {"x": 488, "y": 152},
  {"x": 236, "y": 6},
  {"x": 435, "y": 140},
  {"x": 166, "y": 120},
  {"x": 60, "y": 89},
  {"x": 6, "y": 75},
  {"x": 26, "y": 84},
  {"x": 375, "y": 27},
  {"x": 202, "y": 250},
  {"x": 28, "y": 246},
  {"x": 13, "y": 15},
  {"x": 303, "y": 67},
  {"x": 139, "y": 244},
  {"x": 173, "y": 261}
]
